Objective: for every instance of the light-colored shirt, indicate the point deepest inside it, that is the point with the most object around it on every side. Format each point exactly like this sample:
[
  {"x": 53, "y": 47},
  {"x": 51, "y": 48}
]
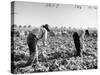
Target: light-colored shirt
[{"x": 41, "y": 33}]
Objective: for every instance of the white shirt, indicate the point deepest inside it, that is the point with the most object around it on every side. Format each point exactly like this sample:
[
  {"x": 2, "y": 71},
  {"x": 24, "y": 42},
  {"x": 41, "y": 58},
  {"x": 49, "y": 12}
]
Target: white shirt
[{"x": 40, "y": 32}]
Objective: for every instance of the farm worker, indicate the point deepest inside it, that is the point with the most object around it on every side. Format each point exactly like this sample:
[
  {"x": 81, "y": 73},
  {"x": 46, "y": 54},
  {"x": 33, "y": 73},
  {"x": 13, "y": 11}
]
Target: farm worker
[{"x": 32, "y": 39}]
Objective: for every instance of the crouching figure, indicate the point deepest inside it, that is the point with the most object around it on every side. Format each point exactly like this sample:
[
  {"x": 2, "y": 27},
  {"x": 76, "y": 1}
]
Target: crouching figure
[
  {"x": 32, "y": 39},
  {"x": 77, "y": 43}
]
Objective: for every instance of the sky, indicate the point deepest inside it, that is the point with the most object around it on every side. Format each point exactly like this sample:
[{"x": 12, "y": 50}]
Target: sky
[{"x": 37, "y": 14}]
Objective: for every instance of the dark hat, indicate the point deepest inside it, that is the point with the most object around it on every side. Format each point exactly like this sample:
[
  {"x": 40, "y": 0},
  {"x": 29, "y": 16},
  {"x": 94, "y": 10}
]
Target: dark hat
[{"x": 46, "y": 26}]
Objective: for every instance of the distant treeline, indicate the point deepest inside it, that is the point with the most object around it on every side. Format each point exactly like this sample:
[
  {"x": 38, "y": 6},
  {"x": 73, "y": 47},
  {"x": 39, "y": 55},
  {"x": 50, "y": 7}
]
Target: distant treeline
[{"x": 18, "y": 30}]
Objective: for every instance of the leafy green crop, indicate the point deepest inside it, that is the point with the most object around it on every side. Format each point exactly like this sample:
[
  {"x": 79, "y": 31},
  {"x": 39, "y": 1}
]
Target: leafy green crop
[{"x": 59, "y": 54}]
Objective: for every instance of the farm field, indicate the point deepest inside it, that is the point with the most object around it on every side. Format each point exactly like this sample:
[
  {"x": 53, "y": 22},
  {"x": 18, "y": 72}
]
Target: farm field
[{"x": 58, "y": 54}]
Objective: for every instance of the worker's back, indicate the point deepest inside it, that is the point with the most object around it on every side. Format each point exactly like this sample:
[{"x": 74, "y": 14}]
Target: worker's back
[{"x": 76, "y": 39}]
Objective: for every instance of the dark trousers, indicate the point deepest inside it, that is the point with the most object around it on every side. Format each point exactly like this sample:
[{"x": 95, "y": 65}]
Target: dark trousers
[
  {"x": 32, "y": 42},
  {"x": 76, "y": 39}
]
